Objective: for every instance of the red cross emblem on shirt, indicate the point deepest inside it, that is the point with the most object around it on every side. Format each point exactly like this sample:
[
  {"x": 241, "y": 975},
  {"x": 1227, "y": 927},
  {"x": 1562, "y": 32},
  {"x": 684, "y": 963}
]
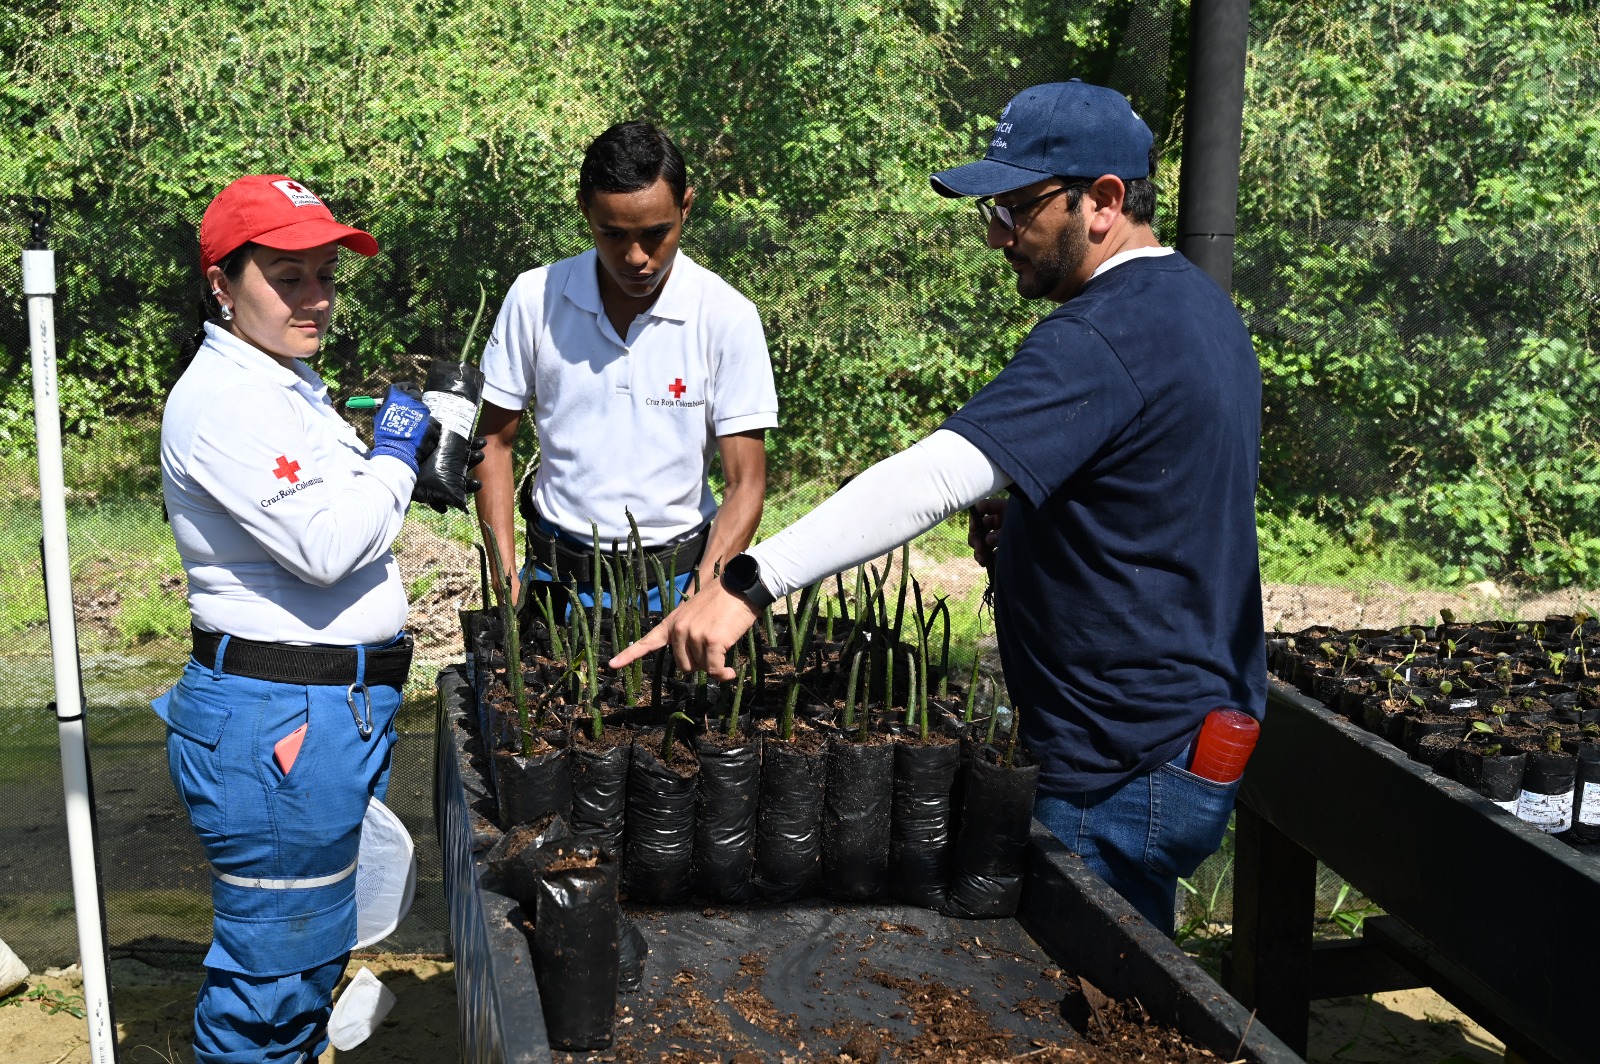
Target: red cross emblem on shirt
[
  {"x": 677, "y": 388},
  {"x": 287, "y": 470}
]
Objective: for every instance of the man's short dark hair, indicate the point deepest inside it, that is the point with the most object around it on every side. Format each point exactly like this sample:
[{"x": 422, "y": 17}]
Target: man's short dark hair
[
  {"x": 1139, "y": 201},
  {"x": 630, "y": 156},
  {"x": 1139, "y": 193}
]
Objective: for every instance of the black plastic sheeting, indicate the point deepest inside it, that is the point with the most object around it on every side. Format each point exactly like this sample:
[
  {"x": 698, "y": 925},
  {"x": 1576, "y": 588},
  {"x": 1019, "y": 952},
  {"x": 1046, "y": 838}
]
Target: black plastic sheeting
[{"x": 815, "y": 964}]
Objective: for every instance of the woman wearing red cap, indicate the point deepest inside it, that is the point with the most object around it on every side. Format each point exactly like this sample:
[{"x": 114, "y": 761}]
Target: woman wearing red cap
[{"x": 280, "y": 731}]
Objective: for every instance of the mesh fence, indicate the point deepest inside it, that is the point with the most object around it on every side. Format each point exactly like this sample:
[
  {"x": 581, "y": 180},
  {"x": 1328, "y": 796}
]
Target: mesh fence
[{"x": 1415, "y": 259}]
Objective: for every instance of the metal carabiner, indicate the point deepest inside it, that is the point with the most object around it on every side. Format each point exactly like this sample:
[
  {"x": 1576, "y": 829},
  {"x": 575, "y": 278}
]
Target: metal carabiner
[{"x": 364, "y": 727}]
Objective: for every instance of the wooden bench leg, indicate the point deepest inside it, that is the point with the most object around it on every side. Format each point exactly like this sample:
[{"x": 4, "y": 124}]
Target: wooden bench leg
[{"x": 1274, "y": 906}]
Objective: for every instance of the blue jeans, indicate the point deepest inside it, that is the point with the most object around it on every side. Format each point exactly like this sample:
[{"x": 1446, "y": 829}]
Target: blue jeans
[{"x": 1142, "y": 836}]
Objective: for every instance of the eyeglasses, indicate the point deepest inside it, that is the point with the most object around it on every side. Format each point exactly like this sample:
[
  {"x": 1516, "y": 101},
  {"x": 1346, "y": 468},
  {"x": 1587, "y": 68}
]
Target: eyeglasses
[{"x": 991, "y": 212}]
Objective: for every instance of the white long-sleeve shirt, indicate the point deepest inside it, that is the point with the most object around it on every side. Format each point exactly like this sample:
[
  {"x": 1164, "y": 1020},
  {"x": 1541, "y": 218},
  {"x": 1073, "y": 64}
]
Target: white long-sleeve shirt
[{"x": 282, "y": 520}]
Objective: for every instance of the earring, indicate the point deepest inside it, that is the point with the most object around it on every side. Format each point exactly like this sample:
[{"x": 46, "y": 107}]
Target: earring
[
  {"x": 227, "y": 312},
  {"x": 224, "y": 311}
]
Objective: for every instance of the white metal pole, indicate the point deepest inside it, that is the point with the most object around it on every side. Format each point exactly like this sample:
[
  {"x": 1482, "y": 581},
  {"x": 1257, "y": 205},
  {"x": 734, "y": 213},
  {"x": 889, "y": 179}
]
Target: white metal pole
[{"x": 39, "y": 287}]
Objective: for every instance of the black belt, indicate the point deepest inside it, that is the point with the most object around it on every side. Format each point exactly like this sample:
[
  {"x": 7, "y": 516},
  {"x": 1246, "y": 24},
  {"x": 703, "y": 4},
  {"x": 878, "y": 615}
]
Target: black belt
[
  {"x": 283, "y": 663},
  {"x": 567, "y": 562}
]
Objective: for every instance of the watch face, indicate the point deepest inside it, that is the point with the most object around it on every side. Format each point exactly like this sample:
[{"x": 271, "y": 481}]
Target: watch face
[{"x": 741, "y": 573}]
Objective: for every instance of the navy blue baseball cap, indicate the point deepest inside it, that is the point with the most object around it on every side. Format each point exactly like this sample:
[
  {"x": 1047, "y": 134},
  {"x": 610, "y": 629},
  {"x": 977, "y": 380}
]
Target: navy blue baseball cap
[{"x": 1064, "y": 129}]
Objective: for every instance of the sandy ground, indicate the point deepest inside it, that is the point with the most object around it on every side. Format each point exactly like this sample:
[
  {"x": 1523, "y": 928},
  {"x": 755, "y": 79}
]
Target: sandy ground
[{"x": 153, "y": 1008}]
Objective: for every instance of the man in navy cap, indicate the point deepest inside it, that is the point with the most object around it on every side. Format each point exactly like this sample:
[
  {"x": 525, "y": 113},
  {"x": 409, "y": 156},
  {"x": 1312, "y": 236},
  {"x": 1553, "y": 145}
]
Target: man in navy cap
[{"x": 1126, "y": 428}]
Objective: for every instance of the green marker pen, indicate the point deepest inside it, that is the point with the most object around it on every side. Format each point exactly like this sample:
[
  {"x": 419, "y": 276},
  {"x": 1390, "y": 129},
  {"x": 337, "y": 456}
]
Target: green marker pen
[{"x": 362, "y": 402}]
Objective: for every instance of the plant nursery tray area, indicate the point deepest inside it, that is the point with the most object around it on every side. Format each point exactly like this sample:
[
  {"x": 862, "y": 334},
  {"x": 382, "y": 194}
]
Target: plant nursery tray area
[
  {"x": 1076, "y": 976},
  {"x": 811, "y": 980}
]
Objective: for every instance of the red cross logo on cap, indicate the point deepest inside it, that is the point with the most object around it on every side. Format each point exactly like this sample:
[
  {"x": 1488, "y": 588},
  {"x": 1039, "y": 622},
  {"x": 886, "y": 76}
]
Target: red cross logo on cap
[
  {"x": 294, "y": 186},
  {"x": 287, "y": 470},
  {"x": 677, "y": 388}
]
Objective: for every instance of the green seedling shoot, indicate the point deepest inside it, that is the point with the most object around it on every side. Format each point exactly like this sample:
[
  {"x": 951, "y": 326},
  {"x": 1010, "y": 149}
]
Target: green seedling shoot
[
  {"x": 1558, "y": 661},
  {"x": 917, "y": 703},
  {"x": 757, "y": 666},
  {"x": 508, "y": 626},
  {"x": 850, "y": 691},
  {"x": 900, "y": 592},
  {"x": 863, "y": 722},
  {"x": 1011, "y": 740},
  {"x": 667, "y": 735},
  {"x": 558, "y": 644},
  {"x": 741, "y": 669},
  {"x": 1502, "y": 675},
  {"x": 941, "y": 612}
]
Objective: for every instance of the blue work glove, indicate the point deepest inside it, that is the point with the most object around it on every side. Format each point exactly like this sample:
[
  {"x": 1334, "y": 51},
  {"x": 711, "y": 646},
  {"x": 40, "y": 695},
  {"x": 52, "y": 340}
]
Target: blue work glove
[{"x": 403, "y": 428}]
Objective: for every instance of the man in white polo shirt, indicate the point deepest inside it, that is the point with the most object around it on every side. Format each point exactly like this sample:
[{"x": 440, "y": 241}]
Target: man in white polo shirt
[{"x": 636, "y": 361}]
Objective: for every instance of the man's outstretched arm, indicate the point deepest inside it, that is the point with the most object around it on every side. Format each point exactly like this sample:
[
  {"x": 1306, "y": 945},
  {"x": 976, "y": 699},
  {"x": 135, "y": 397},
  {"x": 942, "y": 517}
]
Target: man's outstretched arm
[{"x": 891, "y": 503}]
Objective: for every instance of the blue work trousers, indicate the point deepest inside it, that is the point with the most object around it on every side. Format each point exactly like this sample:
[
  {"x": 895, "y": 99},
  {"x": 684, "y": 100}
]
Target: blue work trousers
[
  {"x": 1142, "y": 836},
  {"x": 282, "y": 846}
]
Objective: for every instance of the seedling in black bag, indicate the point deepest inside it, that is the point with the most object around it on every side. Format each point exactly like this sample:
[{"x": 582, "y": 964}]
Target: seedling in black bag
[
  {"x": 1011, "y": 742},
  {"x": 508, "y": 622},
  {"x": 850, "y": 692},
  {"x": 667, "y": 734},
  {"x": 799, "y": 637},
  {"x": 740, "y": 669}
]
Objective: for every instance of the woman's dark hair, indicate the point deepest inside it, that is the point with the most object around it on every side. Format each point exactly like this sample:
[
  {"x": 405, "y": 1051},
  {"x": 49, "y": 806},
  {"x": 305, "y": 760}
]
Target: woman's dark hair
[
  {"x": 232, "y": 265},
  {"x": 630, "y": 156}
]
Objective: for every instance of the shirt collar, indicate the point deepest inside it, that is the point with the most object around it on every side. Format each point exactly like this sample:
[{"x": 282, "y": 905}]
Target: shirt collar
[
  {"x": 1125, "y": 256},
  {"x": 251, "y": 357},
  {"x": 675, "y": 300}
]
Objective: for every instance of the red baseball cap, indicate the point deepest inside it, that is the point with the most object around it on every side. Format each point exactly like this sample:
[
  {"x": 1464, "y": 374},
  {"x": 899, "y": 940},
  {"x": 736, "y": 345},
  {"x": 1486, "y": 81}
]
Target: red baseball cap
[{"x": 272, "y": 210}]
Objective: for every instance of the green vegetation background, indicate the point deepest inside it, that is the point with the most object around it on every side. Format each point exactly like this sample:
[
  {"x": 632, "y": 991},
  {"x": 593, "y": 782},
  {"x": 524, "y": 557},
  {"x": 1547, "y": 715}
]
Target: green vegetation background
[{"x": 1416, "y": 247}]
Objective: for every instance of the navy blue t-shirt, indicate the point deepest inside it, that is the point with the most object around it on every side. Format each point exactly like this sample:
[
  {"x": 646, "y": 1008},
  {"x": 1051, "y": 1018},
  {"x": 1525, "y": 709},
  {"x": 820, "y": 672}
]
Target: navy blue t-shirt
[{"x": 1127, "y": 584}]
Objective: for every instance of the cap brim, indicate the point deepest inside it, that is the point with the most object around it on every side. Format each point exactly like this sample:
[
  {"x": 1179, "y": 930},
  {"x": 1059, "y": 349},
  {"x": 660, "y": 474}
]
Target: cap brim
[
  {"x": 314, "y": 232},
  {"x": 986, "y": 177}
]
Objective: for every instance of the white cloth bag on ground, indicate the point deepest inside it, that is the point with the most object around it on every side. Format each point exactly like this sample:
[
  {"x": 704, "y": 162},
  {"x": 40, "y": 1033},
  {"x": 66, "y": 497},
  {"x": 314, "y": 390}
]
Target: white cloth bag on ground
[
  {"x": 360, "y": 1008},
  {"x": 386, "y": 875},
  {"x": 13, "y": 973}
]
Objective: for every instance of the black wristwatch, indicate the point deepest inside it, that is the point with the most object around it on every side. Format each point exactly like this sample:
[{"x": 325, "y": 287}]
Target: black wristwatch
[{"x": 741, "y": 575}]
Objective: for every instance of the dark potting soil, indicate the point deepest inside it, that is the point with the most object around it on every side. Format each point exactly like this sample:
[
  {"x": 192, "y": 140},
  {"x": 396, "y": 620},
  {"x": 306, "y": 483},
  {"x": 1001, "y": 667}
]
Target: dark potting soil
[
  {"x": 806, "y": 739},
  {"x": 611, "y": 735},
  {"x": 813, "y": 981}
]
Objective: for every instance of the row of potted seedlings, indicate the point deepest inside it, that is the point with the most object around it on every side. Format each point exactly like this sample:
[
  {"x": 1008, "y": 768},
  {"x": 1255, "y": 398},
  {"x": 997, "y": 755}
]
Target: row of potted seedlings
[
  {"x": 1509, "y": 708},
  {"x": 842, "y": 761}
]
